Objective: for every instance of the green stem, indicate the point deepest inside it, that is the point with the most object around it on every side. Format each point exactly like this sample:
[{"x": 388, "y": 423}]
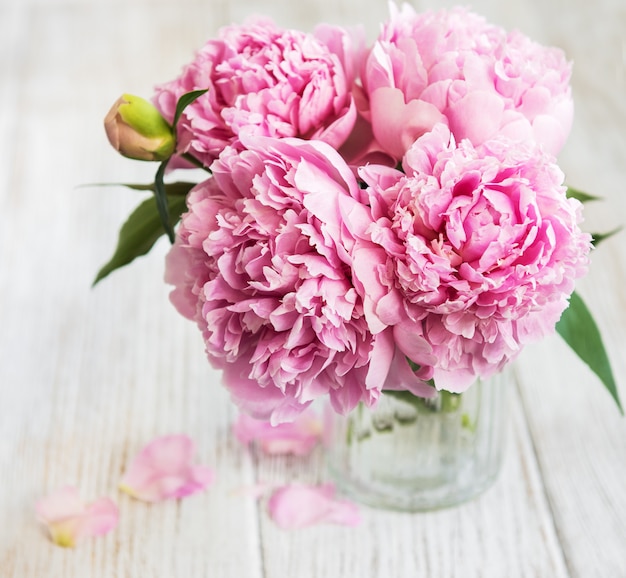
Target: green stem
[
  {"x": 161, "y": 200},
  {"x": 194, "y": 161},
  {"x": 450, "y": 402},
  {"x": 419, "y": 403}
]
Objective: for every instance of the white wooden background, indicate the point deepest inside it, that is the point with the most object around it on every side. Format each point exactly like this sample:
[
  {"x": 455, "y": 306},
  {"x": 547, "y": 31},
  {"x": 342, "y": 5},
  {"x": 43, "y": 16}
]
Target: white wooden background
[{"x": 88, "y": 376}]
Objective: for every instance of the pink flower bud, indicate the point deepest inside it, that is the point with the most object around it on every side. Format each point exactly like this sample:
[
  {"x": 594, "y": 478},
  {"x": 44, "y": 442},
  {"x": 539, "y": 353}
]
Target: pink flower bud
[{"x": 137, "y": 130}]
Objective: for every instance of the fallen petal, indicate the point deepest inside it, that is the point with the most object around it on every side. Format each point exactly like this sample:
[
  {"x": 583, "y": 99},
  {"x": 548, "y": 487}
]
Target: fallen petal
[
  {"x": 69, "y": 519},
  {"x": 163, "y": 469},
  {"x": 298, "y": 505},
  {"x": 298, "y": 437}
]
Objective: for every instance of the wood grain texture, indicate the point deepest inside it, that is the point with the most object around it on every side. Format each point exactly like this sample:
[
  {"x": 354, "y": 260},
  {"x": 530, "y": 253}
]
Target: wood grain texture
[
  {"x": 88, "y": 376},
  {"x": 506, "y": 532}
]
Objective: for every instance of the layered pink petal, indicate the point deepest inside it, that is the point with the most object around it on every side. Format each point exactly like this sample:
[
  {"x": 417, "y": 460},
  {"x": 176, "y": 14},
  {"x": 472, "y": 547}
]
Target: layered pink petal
[
  {"x": 298, "y": 505},
  {"x": 402, "y": 378},
  {"x": 269, "y": 81},
  {"x": 398, "y": 124},
  {"x": 480, "y": 247},
  {"x": 477, "y": 116},
  {"x": 474, "y": 75},
  {"x": 69, "y": 519},
  {"x": 268, "y": 252},
  {"x": 163, "y": 469}
]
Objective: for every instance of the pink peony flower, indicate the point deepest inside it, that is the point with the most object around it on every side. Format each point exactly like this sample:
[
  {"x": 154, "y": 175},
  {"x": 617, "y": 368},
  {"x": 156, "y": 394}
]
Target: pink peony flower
[
  {"x": 262, "y": 263},
  {"x": 298, "y": 505},
  {"x": 298, "y": 437},
  {"x": 454, "y": 67},
  {"x": 69, "y": 519},
  {"x": 279, "y": 83},
  {"x": 163, "y": 469},
  {"x": 469, "y": 255}
]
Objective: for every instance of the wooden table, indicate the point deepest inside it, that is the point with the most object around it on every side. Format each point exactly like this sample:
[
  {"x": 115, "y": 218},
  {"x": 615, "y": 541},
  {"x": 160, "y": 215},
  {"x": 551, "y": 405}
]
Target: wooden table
[{"x": 87, "y": 376}]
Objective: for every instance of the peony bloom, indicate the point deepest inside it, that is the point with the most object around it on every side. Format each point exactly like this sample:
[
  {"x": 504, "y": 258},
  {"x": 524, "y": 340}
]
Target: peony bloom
[
  {"x": 454, "y": 67},
  {"x": 298, "y": 505},
  {"x": 261, "y": 262},
  {"x": 69, "y": 519},
  {"x": 475, "y": 252},
  {"x": 298, "y": 437},
  {"x": 163, "y": 469},
  {"x": 275, "y": 82}
]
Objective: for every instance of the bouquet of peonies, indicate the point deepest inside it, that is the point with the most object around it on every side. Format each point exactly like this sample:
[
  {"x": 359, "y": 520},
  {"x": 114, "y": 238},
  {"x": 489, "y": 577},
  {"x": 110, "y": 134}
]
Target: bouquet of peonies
[{"x": 376, "y": 218}]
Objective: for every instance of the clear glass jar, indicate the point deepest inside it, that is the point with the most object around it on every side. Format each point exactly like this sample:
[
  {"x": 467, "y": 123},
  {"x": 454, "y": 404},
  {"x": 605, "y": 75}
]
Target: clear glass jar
[{"x": 416, "y": 454}]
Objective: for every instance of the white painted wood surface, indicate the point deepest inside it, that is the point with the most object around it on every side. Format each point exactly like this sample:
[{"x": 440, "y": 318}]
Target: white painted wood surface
[{"x": 88, "y": 376}]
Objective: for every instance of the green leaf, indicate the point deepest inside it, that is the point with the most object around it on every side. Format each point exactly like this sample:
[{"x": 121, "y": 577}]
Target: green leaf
[
  {"x": 184, "y": 101},
  {"x": 581, "y": 196},
  {"x": 597, "y": 238},
  {"x": 140, "y": 231},
  {"x": 581, "y": 333}
]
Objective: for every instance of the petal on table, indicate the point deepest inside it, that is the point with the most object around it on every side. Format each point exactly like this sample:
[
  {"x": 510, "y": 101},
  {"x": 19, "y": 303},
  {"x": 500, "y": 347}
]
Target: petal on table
[
  {"x": 69, "y": 519},
  {"x": 298, "y": 437},
  {"x": 298, "y": 505},
  {"x": 164, "y": 469}
]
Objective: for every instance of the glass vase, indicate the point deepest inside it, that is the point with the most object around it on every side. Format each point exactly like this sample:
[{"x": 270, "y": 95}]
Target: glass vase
[{"x": 415, "y": 454}]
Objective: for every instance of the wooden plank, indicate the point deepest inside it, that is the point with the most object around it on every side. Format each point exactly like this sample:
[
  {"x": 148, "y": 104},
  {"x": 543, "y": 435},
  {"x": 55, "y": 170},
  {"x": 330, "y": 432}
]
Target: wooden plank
[
  {"x": 88, "y": 376},
  {"x": 506, "y": 532},
  {"x": 13, "y": 42},
  {"x": 580, "y": 440}
]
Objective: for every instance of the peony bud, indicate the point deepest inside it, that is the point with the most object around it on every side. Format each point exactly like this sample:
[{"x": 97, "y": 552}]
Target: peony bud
[{"x": 137, "y": 130}]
